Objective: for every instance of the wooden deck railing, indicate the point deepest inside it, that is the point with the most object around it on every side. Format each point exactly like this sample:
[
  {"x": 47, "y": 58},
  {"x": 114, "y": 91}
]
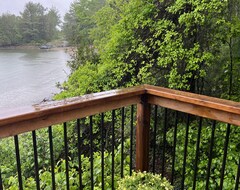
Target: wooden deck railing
[{"x": 32, "y": 118}]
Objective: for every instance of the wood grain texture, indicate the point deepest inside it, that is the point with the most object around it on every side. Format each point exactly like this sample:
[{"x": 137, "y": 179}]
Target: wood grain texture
[
  {"x": 195, "y": 109},
  {"x": 19, "y": 120},
  {"x": 194, "y": 99},
  {"x": 142, "y": 135},
  {"x": 42, "y": 109},
  {"x": 55, "y": 112},
  {"x": 53, "y": 118}
]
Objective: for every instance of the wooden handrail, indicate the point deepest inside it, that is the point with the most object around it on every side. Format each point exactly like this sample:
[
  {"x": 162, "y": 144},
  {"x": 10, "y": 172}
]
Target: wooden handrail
[
  {"x": 195, "y": 104},
  {"x": 50, "y": 113},
  {"x": 195, "y": 99},
  {"x": 46, "y": 114}
]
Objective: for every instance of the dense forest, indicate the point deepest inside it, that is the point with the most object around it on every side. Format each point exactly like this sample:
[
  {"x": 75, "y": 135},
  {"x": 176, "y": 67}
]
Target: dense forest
[
  {"x": 35, "y": 24},
  {"x": 187, "y": 45}
]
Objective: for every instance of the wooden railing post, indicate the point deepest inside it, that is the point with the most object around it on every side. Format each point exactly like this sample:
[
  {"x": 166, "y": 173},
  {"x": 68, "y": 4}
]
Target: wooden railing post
[{"x": 142, "y": 134}]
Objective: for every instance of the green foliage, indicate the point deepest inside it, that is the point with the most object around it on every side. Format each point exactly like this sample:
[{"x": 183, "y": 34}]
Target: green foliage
[
  {"x": 217, "y": 157},
  {"x": 191, "y": 45},
  {"x": 144, "y": 181},
  {"x": 11, "y": 182},
  {"x": 72, "y": 87},
  {"x": 69, "y": 27},
  {"x": 9, "y": 30},
  {"x": 76, "y": 27},
  {"x": 34, "y": 25},
  {"x": 167, "y": 43},
  {"x": 32, "y": 22},
  {"x": 8, "y": 164},
  {"x": 52, "y": 19}
]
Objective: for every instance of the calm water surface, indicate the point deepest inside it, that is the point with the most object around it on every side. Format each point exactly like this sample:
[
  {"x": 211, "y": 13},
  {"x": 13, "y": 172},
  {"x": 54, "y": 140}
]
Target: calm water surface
[{"x": 29, "y": 76}]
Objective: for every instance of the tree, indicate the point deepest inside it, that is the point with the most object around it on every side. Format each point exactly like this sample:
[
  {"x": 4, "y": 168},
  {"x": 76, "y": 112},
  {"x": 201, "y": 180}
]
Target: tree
[
  {"x": 9, "y": 30},
  {"x": 77, "y": 26},
  {"x": 38, "y": 24},
  {"x": 52, "y": 21},
  {"x": 32, "y": 22},
  {"x": 167, "y": 43},
  {"x": 70, "y": 25}
]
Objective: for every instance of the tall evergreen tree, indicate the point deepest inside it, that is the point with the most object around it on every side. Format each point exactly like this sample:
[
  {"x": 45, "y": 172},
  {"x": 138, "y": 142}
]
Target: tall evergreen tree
[
  {"x": 32, "y": 22},
  {"x": 78, "y": 23},
  {"x": 52, "y": 21},
  {"x": 9, "y": 30}
]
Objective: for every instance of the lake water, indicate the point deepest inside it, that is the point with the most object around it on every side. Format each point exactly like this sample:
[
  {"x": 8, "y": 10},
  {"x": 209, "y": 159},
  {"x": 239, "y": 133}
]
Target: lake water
[{"x": 29, "y": 76}]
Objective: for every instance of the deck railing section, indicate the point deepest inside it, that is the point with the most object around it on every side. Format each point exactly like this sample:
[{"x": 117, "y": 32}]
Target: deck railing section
[{"x": 168, "y": 123}]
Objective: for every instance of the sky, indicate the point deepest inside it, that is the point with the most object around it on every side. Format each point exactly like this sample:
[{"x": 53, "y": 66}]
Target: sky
[{"x": 17, "y": 6}]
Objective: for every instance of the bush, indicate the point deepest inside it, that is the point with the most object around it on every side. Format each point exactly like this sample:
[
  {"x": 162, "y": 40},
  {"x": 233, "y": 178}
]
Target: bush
[{"x": 144, "y": 181}]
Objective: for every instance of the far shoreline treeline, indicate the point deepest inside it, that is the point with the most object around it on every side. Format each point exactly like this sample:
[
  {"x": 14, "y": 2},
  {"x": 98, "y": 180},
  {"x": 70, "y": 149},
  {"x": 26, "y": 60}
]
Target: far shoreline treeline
[{"x": 35, "y": 25}]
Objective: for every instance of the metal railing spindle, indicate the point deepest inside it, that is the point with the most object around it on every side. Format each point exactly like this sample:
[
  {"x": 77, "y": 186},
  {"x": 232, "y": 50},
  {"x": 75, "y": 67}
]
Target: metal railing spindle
[
  {"x": 164, "y": 140},
  {"x": 1, "y": 183},
  {"x": 237, "y": 176},
  {"x": 131, "y": 140},
  {"x": 122, "y": 142},
  {"x": 79, "y": 153},
  {"x": 66, "y": 154},
  {"x": 18, "y": 162},
  {"x": 102, "y": 147},
  {"x": 174, "y": 147},
  {"x": 197, "y": 153},
  {"x": 91, "y": 151},
  {"x": 154, "y": 136},
  {"x": 210, "y": 154},
  {"x": 225, "y": 155},
  {"x": 113, "y": 145},
  {"x": 185, "y": 152},
  {"x": 36, "y": 160},
  {"x": 51, "y": 156}
]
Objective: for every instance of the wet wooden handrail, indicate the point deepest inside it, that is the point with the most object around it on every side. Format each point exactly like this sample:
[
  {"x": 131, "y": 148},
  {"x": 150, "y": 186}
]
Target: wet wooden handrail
[
  {"x": 38, "y": 116},
  {"x": 43, "y": 115}
]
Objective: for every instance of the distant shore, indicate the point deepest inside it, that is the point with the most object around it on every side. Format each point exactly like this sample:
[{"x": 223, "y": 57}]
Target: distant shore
[
  {"x": 34, "y": 47},
  {"x": 69, "y": 49}
]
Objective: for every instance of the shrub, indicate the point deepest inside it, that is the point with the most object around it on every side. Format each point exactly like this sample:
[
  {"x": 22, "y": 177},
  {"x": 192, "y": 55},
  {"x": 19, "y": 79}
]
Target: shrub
[{"x": 144, "y": 181}]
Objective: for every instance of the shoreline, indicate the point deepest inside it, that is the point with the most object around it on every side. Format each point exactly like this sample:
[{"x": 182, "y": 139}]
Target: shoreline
[
  {"x": 71, "y": 50},
  {"x": 26, "y": 47}
]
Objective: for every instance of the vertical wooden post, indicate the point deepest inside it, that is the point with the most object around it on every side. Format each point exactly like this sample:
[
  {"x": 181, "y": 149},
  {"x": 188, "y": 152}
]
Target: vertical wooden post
[{"x": 142, "y": 134}]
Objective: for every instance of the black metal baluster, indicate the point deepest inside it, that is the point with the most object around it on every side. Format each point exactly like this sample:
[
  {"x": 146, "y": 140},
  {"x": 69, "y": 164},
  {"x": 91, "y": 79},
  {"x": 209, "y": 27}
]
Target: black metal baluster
[
  {"x": 185, "y": 152},
  {"x": 91, "y": 151},
  {"x": 237, "y": 177},
  {"x": 197, "y": 153},
  {"x": 174, "y": 147},
  {"x": 18, "y": 162},
  {"x": 210, "y": 154},
  {"x": 113, "y": 145},
  {"x": 36, "y": 160},
  {"x": 103, "y": 144},
  {"x": 66, "y": 154},
  {"x": 1, "y": 183},
  {"x": 122, "y": 143},
  {"x": 79, "y": 153},
  {"x": 164, "y": 140},
  {"x": 51, "y": 156},
  {"x": 154, "y": 137},
  {"x": 131, "y": 141},
  {"x": 225, "y": 155}
]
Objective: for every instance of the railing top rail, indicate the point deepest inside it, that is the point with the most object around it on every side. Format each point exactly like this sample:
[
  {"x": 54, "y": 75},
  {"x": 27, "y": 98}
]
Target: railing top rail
[
  {"x": 194, "y": 99},
  {"x": 37, "y": 116},
  {"x": 37, "y": 110}
]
